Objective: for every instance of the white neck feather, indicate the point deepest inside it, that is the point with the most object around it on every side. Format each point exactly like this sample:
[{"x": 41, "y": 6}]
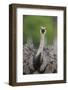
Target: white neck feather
[{"x": 42, "y": 43}]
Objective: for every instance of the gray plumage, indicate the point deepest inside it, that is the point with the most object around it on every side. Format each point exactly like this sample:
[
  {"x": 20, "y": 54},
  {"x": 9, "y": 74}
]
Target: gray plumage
[{"x": 32, "y": 64}]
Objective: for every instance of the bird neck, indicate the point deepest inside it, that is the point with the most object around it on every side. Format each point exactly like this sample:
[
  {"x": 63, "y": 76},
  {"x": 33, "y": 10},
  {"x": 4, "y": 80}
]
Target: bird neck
[{"x": 41, "y": 46}]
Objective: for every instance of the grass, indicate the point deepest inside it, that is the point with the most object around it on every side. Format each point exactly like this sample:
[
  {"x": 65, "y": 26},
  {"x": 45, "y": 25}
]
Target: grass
[{"x": 31, "y": 28}]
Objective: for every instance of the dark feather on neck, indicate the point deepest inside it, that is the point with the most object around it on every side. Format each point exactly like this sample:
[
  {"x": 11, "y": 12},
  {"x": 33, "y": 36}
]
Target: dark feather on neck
[{"x": 37, "y": 62}]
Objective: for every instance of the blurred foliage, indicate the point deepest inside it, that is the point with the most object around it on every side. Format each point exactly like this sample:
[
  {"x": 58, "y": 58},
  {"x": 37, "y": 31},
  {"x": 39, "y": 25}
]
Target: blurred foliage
[{"x": 31, "y": 28}]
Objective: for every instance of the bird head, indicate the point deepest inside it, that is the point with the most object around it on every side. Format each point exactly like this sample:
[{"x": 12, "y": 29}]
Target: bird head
[{"x": 43, "y": 30}]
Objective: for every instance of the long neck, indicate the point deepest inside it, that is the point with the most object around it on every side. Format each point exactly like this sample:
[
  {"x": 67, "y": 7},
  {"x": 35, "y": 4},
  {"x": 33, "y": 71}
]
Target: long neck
[{"x": 41, "y": 46}]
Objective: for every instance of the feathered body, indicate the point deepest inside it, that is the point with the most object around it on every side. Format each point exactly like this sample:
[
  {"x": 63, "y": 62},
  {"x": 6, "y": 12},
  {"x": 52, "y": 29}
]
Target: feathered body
[{"x": 40, "y": 60}]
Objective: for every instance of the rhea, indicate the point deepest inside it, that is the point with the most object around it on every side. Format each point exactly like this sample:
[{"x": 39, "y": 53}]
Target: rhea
[{"x": 38, "y": 59}]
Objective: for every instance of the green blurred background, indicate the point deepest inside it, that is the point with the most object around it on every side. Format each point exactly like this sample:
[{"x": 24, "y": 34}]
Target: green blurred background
[{"x": 31, "y": 28}]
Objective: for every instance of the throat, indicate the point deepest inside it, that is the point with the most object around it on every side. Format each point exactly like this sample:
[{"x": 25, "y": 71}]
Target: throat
[{"x": 41, "y": 46}]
